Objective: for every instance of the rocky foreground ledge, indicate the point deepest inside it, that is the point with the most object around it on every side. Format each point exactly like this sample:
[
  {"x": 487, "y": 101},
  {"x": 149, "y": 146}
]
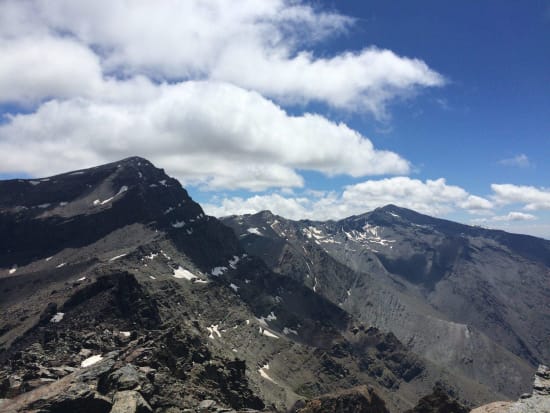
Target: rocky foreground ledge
[{"x": 536, "y": 402}]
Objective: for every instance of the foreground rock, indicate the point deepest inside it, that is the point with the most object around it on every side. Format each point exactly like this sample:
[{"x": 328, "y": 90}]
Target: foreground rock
[
  {"x": 117, "y": 293},
  {"x": 359, "y": 400},
  {"x": 438, "y": 402},
  {"x": 536, "y": 402}
]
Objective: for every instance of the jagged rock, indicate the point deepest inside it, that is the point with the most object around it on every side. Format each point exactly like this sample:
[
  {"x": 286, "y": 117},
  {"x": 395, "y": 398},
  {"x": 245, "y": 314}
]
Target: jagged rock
[
  {"x": 536, "y": 402},
  {"x": 438, "y": 402},
  {"x": 206, "y": 405},
  {"x": 541, "y": 387},
  {"x": 359, "y": 400},
  {"x": 78, "y": 397},
  {"x": 130, "y": 401},
  {"x": 116, "y": 235},
  {"x": 126, "y": 378}
]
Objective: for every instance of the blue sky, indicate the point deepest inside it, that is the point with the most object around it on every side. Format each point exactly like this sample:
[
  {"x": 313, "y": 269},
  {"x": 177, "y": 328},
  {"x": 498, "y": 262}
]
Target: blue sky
[{"x": 311, "y": 109}]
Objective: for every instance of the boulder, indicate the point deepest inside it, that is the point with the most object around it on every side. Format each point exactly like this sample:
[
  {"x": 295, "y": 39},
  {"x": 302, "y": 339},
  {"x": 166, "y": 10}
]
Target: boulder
[{"x": 130, "y": 401}]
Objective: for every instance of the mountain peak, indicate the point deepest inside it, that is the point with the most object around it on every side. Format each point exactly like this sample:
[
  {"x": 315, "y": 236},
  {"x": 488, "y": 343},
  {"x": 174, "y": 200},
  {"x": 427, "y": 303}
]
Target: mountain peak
[{"x": 84, "y": 205}]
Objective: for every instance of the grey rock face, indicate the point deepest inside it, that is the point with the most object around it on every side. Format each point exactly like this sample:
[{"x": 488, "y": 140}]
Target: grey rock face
[
  {"x": 536, "y": 402},
  {"x": 170, "y": 306},
  {"x": 130, "y": 401},
  {"x": 471, "y": 300}
]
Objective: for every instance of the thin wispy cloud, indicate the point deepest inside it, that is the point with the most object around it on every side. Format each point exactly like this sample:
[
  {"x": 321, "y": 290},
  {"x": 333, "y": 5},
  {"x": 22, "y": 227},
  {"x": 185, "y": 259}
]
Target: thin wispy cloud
[{"x": 520, "y": 161}]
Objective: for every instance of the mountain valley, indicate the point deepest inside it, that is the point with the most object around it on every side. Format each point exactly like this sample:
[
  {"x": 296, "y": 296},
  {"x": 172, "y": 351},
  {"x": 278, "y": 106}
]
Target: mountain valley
[{"x": 118, "y": 294}]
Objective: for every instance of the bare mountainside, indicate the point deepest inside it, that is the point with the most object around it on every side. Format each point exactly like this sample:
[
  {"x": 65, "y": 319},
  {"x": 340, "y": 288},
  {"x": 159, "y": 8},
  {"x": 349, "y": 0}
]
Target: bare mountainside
[
  {"x": 471, "y": 300},
  {"x": 117, "y": 293}
]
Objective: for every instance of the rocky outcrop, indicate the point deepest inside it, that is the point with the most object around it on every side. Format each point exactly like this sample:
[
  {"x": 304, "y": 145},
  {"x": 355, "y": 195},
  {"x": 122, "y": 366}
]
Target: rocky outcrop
[
  {"x": 118, "y": 293},
  {"x": 358, "y": 400},
  {"x": 468, "y": 299},
  {"x": 536, "y": 402},
  {"x": 438, "y": 402}
]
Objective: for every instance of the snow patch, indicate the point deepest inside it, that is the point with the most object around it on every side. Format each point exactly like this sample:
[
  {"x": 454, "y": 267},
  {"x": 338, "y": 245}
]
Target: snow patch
[
  {"x": 153, "y": 278},
  {"x": 268, "y": 333},
  {"x": 151, "y": 256},
  {"x": 183, "y": 273},
  {"x": 118, "y": 257},
  {"x": 270, "y": 317},
  {"x": 122, "y": 189},
  {"x": 254, "y": 230},
  {"x": 213, "y": 329},
  {"x": 217, "y": 271},
  {"x": 34, "y": 183},
  {"x": 61, "y": 265},
  {"x": 125, "y": 333},
  {"x": 13, "y": 269},
  {"x": 163, "y": 182},
  {"x": 263, "y": 373},
  {"x": 49, "y": 258},
  {"x": 287, "y": 331},
  {"x": 57, "y": 318},
  {"x": 91, "y": 360},
  {"x": 201, "y": 281},
  {"x": 168, "y": 210},
  {"x": 44, "y": 206},
  {"x": 81, "y": 279},
  {"x": 233, "y": 263},
  {"x": 178, "y": 224},
  {"x": 234, "y": 287}
]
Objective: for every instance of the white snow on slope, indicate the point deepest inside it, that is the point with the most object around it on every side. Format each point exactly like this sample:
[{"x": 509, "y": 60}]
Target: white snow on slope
[
  {"x": 233, "y": 263},
  {"x": 217, "y": 271},
  {"x": 183, "y": 273},
  {"x": 263, "y": 373},
  {"x": 117, "y": 257},
  {"x": 178, "y": 224},
  {"x": 270, "y": 317},
  {"x": 234, "y": 287},
  {"x": 267, "y": 333},
  {"x": 254, "y": 231},
  {"x": 57, "y": 317},
  {"x": 123, "y": 189},
  {"x": 91, "y": 360},
  {"x": 13, "y": 269},
  {"x": 213, "y": 329}
]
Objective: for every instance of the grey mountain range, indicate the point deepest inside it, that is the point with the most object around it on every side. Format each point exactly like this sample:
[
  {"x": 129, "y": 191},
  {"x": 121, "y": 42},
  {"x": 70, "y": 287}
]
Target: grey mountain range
[{"x": 118, "y": 294}]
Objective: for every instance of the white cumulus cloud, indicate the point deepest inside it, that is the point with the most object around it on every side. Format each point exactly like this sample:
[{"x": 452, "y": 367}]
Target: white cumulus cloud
[
  {"x": 433, "y": 197},
  {"x": 264, "y": 46},
  {"x": 213, "y": 134},
  {"x": 514, "y": 216},
  {"x": 532, "y": 197}
]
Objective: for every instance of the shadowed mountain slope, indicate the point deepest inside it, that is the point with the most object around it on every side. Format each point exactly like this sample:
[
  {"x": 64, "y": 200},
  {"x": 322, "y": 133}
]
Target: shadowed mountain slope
[{"x": 116, "y": 288}]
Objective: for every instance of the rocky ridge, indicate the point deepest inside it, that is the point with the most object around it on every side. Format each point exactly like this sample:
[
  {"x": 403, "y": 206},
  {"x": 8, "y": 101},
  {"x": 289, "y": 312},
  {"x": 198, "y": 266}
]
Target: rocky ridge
[
  {"x": 117, "y": 290},
  {"x": 468, "y": 299},
  {"x": 538, "y": 401}
]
